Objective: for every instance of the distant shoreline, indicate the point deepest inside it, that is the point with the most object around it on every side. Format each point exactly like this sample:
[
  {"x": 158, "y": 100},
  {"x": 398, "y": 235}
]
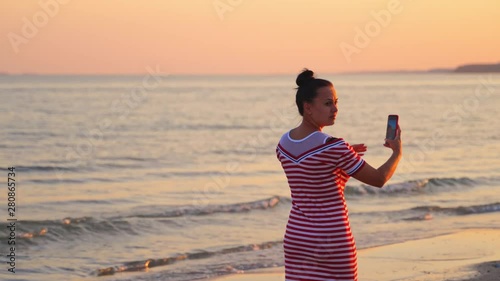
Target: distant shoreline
[
  {"x": 466, "y": 68},
  {"x": 475, "y": 68}
]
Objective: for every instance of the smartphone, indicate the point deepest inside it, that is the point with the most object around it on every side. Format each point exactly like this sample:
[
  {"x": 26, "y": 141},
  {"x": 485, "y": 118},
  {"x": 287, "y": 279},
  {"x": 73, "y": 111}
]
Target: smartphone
[{"x": 392, "y": 125}]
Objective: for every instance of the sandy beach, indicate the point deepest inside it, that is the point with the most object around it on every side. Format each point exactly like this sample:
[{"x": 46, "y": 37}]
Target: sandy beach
[{"x": 467, "y": 255}]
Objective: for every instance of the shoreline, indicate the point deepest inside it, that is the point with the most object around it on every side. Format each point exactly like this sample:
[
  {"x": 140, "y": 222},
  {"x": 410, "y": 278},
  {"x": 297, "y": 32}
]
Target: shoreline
[{"x": 467, "y": 255}]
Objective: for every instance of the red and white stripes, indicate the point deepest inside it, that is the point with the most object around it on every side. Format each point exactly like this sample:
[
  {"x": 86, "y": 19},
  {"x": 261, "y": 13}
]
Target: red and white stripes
[{"x": 318, "y": 242}]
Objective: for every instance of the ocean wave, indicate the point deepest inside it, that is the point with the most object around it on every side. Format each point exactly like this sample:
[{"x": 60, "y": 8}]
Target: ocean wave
[
  {"x": 69, "y": 227},
  {"x": 42, "y": 168},
  {"x": 415, "y": 186},
  {"x": 428, "y": 212},
  {"x": 461, "y": 210},
  {"x": 215, "y": 127},
  {"x": 195, "y": 255},
  {"x": 37, "y": 134},
  {"x": 104, "y": 163},
  {"x": 211, "y": 174},
  {"x": 131, "y": 223},
  {"x": 73, "y": 181},
  {"x": 194, "y": 210},
  {"x": 128, "y": 158}
]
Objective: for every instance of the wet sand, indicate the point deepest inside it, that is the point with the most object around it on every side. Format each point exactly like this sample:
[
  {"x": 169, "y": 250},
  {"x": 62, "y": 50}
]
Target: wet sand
[
  {"x": 467, "y": 255},
  {"x": 488, "y": 271}
]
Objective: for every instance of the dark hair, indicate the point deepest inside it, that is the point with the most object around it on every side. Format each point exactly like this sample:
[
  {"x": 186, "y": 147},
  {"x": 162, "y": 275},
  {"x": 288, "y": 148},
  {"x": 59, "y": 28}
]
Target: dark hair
[{"x": 308, "y": 86}]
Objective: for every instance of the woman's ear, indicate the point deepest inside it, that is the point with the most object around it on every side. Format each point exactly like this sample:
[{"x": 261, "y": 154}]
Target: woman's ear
[{"x": 307, "y": 108}]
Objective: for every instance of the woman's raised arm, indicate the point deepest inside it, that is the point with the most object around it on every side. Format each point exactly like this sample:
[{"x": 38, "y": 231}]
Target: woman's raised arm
[{"x": 378, "y": 177}]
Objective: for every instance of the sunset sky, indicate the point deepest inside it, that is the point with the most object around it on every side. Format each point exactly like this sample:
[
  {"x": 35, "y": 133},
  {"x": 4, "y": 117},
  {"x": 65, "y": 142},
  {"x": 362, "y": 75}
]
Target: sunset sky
[{"x": 245, "y": 36}]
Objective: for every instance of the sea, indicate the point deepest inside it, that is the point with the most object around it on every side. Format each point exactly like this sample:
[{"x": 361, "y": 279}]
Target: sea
[{"x": 175, "y": 177}]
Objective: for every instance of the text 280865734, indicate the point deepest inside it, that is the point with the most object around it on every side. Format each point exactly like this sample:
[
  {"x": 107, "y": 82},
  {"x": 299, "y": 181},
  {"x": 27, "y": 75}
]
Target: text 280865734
[{"x": 11, "y": 210}]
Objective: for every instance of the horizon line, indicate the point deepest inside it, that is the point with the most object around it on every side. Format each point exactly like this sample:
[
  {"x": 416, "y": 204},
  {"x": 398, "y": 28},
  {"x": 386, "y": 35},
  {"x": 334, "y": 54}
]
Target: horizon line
[
  {"x": 427, "y": 70},
  {"x": 5, "y": 73}
]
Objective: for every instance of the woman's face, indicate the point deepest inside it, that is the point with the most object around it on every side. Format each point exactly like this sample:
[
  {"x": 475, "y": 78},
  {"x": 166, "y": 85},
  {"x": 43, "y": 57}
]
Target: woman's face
[{"x": 323, "y": 109}]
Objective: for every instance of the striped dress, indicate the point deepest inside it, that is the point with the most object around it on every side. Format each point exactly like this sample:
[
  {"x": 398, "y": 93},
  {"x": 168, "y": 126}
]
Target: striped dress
[{"x": 318, "y": 242}]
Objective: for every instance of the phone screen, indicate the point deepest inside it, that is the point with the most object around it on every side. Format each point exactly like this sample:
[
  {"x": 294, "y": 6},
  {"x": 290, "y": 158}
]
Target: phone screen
[{"x": 392, "y": 124}]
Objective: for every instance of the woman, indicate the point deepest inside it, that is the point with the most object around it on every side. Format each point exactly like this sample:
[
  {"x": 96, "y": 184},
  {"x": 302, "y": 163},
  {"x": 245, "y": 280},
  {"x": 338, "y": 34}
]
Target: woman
[{"x": 318, "y": 242}]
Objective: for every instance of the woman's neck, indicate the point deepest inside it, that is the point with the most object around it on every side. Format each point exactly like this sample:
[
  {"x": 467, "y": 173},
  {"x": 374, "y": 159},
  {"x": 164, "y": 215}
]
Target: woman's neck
[
  {"x": 306, "y": 128},
  {"x": 308, "y": 125}
]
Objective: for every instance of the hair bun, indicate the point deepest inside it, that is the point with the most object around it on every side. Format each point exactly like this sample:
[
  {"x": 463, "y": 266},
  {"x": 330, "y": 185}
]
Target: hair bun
[{"x": 304, "y": 77}]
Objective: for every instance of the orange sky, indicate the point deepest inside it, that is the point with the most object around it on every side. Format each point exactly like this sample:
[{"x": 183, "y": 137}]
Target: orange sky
[{"x": 244, "y": 36}]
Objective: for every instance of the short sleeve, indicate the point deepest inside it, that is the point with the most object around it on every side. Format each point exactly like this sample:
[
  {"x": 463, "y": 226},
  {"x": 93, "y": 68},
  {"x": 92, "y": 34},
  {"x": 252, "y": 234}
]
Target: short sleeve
[{"x": 343, "y": 156}]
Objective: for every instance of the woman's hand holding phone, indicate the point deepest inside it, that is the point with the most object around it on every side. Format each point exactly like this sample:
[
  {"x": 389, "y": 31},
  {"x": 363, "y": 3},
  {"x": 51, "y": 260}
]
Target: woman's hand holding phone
[{"x": 395, "y": 144}]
